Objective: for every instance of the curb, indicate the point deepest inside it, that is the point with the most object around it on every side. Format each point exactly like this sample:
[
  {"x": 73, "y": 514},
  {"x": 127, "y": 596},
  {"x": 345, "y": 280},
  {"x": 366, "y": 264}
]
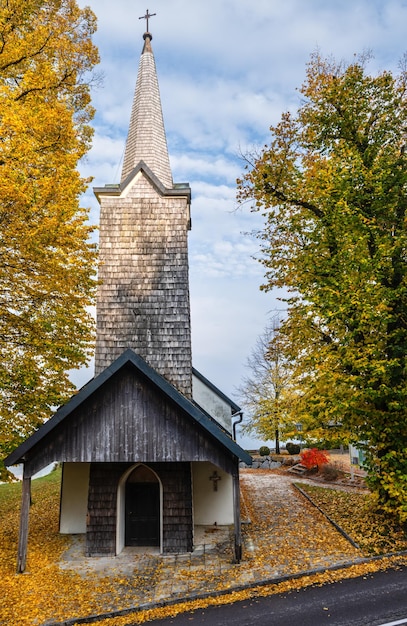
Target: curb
[{"x": 217, "y": 594}]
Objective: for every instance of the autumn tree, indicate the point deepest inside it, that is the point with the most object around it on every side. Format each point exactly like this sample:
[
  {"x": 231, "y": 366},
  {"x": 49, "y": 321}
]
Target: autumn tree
[
  {"x": 313, "y": 457},
  {"x": 266, "y": 391},
  {"x": 332, "y": 186},
  {"x": 46, "y": 258}
]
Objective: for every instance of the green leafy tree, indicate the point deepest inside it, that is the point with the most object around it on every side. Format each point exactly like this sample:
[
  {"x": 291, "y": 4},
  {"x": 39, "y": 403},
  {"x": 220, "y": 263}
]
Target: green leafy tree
[
  {"x": 332, "y": 186},
  {"x": 47, "y": 261}
]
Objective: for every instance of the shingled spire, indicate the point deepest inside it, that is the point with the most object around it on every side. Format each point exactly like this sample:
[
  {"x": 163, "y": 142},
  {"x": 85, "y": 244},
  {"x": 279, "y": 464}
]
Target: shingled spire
[
  {"x": 146, "y": 140},
  {"x": 143, "y": 295}
]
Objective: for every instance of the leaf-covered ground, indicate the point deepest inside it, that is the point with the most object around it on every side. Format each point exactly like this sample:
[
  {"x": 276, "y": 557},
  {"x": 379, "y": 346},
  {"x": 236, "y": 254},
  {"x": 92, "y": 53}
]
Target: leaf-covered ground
[
  {"x": 354, "y": 512},
  {"x": 286, "y": 535},
  {"x": 44, "y": 591}
]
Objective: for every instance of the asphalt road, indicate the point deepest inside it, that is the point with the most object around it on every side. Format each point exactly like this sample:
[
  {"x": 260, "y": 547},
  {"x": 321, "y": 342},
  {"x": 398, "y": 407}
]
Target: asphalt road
[{"x": 375, "y": 600}]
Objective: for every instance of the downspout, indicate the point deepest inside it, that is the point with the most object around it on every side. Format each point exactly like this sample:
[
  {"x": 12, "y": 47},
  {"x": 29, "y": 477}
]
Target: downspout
[{"x": 240, "y": 413}]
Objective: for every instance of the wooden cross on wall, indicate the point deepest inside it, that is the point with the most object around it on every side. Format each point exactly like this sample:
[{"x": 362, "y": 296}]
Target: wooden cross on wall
[
  {"x": 147, "y": 17},
  {"x": 215, "y": 478}
]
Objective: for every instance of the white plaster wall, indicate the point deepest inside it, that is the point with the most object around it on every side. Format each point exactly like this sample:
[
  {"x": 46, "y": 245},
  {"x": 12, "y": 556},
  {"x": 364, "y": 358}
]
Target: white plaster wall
[
  {"x": 211, "y": 506},
  {"x": 212, "y": 403},
  {"x": 74, "y": 498}
]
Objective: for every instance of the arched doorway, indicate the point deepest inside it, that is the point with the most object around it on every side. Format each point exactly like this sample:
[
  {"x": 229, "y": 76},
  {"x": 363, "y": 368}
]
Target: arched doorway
[{"x": 142, "y": 511}]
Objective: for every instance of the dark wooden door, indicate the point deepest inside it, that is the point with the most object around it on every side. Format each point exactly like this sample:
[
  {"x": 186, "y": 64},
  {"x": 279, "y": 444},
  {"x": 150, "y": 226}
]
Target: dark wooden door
[{"x": 142, "y": 514}]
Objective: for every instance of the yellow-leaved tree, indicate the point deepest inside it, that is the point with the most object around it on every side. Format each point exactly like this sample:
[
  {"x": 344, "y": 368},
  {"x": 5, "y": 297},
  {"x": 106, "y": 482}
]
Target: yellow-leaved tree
[{"x": 47, "y": 261}]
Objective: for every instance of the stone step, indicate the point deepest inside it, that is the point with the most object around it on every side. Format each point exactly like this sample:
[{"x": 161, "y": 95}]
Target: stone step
[{"x": 298, "y": 469}]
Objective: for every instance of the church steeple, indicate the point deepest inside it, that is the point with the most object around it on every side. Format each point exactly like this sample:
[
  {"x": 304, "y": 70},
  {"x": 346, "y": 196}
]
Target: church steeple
[
  {"x": 143, "y": 290},
  {"x": 146, "y": 140}
]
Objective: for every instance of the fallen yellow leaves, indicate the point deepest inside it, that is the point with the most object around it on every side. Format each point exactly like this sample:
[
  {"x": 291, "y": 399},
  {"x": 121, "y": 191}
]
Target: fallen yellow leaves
[
  {"x": 286, "y": 536},
  {"x": 45, "y": 591},
  {"x": 289, "y": 534},
  {"x": 354, "y": 512},
  {"x": 322, "y": 578}
]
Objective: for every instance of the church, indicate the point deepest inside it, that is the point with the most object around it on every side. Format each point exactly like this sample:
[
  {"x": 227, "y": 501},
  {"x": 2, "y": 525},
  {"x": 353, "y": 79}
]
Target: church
[{"x": 146, "y": 447}]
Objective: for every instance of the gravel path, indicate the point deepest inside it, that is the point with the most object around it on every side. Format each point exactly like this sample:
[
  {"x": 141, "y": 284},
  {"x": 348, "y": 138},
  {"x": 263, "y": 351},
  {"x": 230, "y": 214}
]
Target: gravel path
[{"x": 287, "y": 534}]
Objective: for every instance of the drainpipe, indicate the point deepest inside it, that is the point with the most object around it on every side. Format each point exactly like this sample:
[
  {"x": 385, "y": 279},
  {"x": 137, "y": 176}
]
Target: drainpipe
[{"x": 240, "y": 414}]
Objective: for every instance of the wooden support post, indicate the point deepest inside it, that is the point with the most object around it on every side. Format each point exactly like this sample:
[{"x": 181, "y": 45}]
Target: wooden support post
[
  {"x": 24, "y": 517},
  {"x": 236, "y": 515}
]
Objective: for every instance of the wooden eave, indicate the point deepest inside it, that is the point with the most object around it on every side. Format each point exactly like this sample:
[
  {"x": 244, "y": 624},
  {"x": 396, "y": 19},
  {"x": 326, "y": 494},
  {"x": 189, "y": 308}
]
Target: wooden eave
[
  {"x": 179, "y": 189},
  {"x": 197, "y": 415}
]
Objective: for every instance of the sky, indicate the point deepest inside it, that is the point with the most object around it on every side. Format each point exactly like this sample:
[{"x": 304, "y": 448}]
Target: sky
[{"x": 226, "y": 72}]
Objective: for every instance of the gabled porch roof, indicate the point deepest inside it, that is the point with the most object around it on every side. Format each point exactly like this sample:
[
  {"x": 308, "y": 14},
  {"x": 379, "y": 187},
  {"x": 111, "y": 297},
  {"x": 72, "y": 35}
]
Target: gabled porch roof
[{"x": 129, "y": 357}]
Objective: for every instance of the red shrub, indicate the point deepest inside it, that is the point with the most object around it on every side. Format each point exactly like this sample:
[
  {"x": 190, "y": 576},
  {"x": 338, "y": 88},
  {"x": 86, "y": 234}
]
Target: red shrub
[{"x": 313, "y": 458}]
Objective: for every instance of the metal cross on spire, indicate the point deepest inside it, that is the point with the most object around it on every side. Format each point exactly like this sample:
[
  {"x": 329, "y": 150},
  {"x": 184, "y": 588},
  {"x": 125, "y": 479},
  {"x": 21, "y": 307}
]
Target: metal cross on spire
[{"x": 147, "y": 17}]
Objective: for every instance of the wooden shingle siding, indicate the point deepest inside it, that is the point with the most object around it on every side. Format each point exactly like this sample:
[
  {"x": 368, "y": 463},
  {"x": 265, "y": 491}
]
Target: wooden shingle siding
[
  {"x": 146, "y": 138},
  {"x": 102, "y": 509},
  {"x": 143, "y": 296},
  {"x": 143, "y": 293},
  {"x": 177, "y": 519},
  {"x": 128, "y": 421},
  {"x": 177, "y": 506}
]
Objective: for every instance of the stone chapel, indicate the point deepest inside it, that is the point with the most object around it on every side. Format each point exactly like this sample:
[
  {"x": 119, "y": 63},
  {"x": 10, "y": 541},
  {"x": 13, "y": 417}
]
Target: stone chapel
[{"x": 147, "y": 446}]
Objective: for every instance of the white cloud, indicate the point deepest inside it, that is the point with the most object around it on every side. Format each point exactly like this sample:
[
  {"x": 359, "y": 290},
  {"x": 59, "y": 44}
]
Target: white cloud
[{"x": 188, "y": 166}]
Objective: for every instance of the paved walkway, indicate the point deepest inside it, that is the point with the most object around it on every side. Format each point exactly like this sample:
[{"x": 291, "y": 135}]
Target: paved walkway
[{"x": 283, "y": 534}]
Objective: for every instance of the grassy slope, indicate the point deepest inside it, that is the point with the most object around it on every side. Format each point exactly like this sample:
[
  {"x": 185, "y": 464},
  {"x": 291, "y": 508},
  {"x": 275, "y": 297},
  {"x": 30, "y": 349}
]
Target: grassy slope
[{"x": 354, "y": 512}]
